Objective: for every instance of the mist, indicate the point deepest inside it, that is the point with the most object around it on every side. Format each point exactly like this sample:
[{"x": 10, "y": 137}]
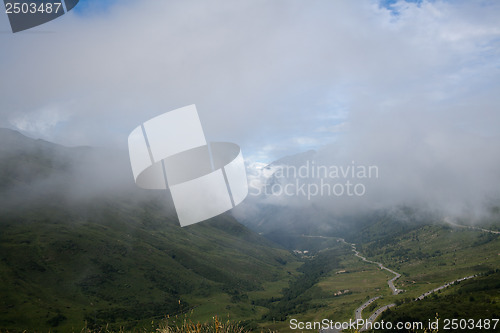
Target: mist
[
  {"x": 40, "y": 173},
  {"x": 411, "y": 88}
]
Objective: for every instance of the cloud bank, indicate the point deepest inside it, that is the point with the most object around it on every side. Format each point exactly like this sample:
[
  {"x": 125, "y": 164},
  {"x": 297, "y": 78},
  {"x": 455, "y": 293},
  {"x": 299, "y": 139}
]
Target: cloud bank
[{"x": 412, "y": 88}]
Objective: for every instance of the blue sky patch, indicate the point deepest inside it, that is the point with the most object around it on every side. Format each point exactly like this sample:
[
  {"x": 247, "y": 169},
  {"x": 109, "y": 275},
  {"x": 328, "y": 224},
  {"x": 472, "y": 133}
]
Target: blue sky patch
[{"x": 86, "y": 7}]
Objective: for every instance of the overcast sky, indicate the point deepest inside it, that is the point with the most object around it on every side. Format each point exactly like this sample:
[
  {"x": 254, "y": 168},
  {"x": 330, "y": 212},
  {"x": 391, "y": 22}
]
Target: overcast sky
[{"x": 407, "y": 84}]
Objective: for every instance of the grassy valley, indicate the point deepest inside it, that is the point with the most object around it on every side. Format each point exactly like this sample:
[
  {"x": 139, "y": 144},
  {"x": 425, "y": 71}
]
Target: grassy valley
[
  {"x": 427, "y": 255},
  {"x": 81, "y": 246}
]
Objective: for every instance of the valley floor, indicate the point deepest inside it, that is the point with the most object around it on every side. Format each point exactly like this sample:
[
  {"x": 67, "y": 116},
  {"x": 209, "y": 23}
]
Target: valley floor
[{"x": 424, "y": 262}]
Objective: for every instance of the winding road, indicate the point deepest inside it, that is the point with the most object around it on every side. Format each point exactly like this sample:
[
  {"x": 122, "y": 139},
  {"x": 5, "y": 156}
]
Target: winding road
[
  {"x": 357, "y": 313},
  {"x": 424, "y": 295},
  {"x": 448, "y": 220},
  {"x": 375, "y": 315},
  {"x": 395, "y": 290},
  {"x": 378, "y": 312}
]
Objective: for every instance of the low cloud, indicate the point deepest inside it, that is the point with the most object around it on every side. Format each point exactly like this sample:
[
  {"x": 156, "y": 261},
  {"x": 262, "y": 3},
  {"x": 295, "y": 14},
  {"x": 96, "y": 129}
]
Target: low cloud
[{"x": 412, "y": 88}]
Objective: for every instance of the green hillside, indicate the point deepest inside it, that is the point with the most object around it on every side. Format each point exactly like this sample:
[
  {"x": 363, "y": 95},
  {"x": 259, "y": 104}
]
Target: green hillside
[
  {"x": 426, "y": 254},
  {"x": 82, "y": 246},
  {"x": 69, "y": 261},
  {"x": 430, "y": 254},
  {"x": 476, "y": 301},
  {"x": 58, "y": 269}
]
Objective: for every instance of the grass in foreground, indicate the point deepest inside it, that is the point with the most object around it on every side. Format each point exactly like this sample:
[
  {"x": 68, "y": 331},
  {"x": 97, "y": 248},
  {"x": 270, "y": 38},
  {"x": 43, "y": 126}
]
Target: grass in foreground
[
  {"x": 185, "y": 326},
  {"x": 216, "y": 326}
]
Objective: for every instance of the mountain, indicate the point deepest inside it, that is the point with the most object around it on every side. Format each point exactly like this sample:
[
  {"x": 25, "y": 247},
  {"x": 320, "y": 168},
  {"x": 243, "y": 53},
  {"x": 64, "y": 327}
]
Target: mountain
[
  {"x": 430, "y": 258},
  {"x": 24, "y": 160},
  {"x": 420, "y": 249},
  {"x": 80, "y": 246},
  {"x": 285, "y": 203}
]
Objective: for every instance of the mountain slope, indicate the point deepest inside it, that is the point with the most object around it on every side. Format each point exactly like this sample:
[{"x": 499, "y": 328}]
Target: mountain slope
[
  {"x": 472, "y": 306},
  {"x": 111, "y": 253}
]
